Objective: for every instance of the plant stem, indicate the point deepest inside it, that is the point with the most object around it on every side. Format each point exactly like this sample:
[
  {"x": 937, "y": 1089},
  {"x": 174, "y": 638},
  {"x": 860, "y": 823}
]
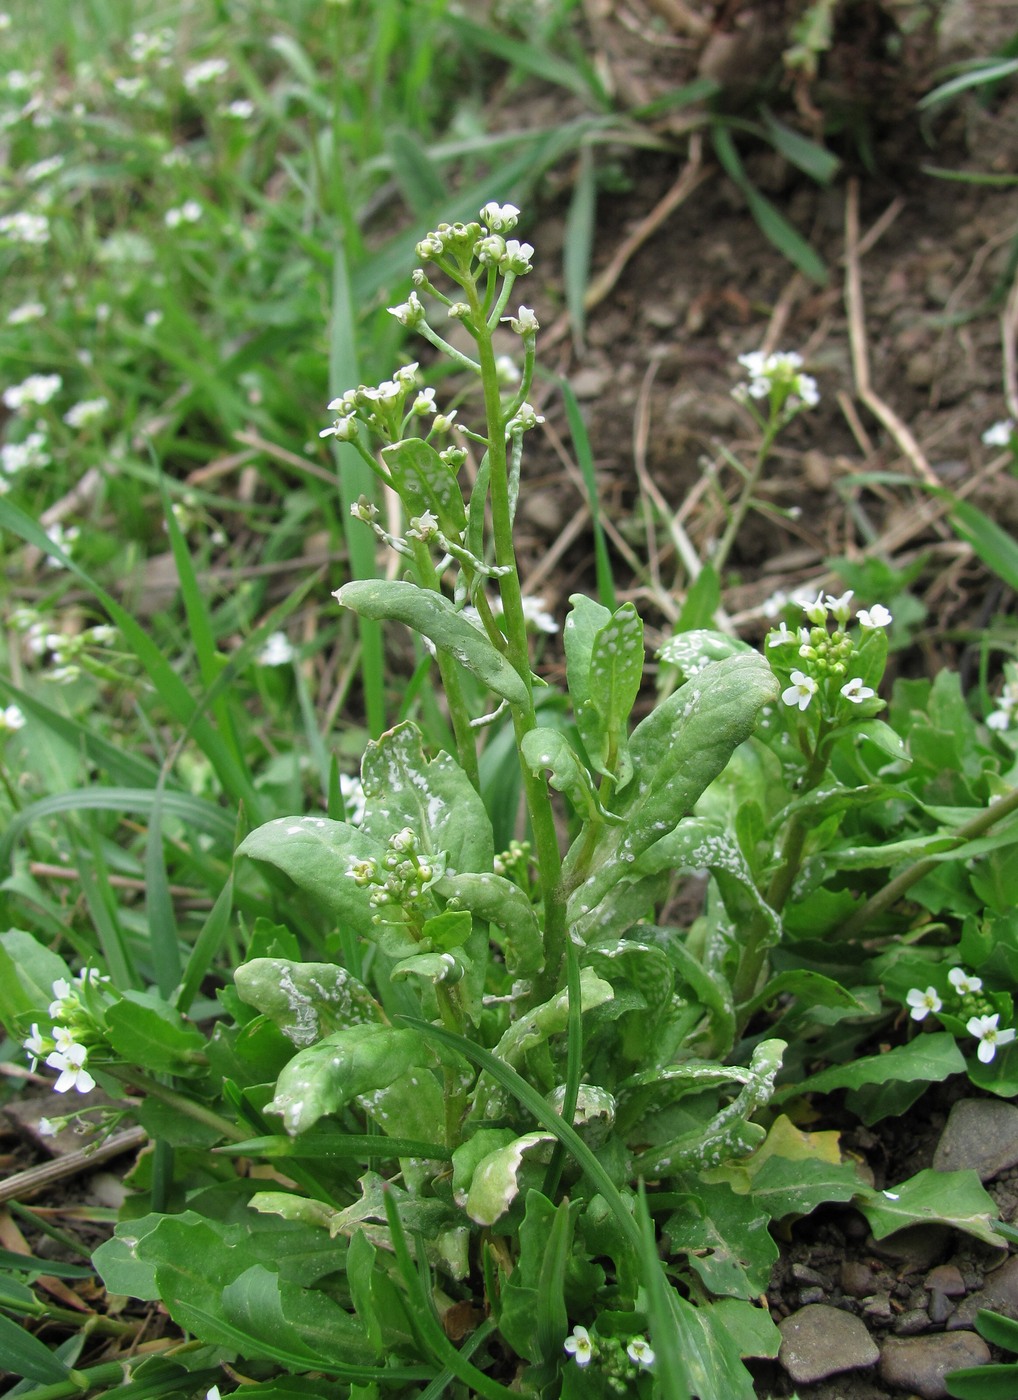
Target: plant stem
[
  {"x": 466, "y": 744},
  {"x": 181, "y": 1102},
  {"x": 542, "y": 818},
  {"x": 742, "y": 505}
]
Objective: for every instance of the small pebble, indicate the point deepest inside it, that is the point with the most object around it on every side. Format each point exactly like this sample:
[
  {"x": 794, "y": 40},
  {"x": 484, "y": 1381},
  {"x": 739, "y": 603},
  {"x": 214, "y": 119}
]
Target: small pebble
[
  {"x": 946, "y": 1279},
  {"x": 911, "y": 1323}
]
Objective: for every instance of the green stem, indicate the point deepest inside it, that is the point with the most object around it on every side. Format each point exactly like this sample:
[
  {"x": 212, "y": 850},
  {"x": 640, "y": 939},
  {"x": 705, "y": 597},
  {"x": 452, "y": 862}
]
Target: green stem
[
  {"x": 889, "y": 894},
  {"x": 542, "y": 819},
  {"x": 755, "y": 940},
  {"x": 466, "y": 744},
  {"x": 742, "y": 505},
  {"x": 180, "y": 1102}
]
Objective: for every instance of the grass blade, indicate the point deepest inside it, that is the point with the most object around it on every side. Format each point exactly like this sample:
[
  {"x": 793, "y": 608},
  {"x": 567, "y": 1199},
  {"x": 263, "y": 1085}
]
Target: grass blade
[{"x": 585, "y": 459}]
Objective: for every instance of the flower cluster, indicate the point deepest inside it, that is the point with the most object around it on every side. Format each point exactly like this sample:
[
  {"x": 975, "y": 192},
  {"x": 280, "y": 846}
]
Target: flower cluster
[
  {"x": 400, "y": 877},
  {"x": 68, "y": 654},
  {"x": 384, "y": 408},
  {"x": 969, "y": 1005},
  {"x": 73, "y": 1031},
  {"x": 833, "y": 662},
  {"x": 778, "y": 379},
  {"x": 619, "y": 1364}
]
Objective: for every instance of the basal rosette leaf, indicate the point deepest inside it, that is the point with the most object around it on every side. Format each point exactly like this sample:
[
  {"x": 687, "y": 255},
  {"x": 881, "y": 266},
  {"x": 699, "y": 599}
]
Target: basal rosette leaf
[
  {"x": 392, "y": 600},
  {"x": 305, "y": 1000},
  {"x": 433, "y": 797}
]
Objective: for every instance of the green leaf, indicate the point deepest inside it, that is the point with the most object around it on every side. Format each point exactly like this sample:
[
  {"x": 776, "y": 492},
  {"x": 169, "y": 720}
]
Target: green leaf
[
  {"x": 773, "y": 225},
  {"x": 27, "y": 973},
  {"x": 305, "y": 1000},
  {"x": 677, "y": 751},
  {"x": 147, "y": 1031},
  {"x": 434, "y": 797},
  {"x": 499, "y": 901},
  {"x": 690, "y": 651},
  {"x": 724, "y": 1237},
  {"x": 931, "y": 1058},
  {"x": 990, "y": 1382},
  {"x": 957, "y": 1199},
  {"x": 495, "y": 1182},
  {"x": 425, "y": 483},
  {"x": 24, "y": 1355},
  {"x": 811, "y": 988},
  {"x": 783, "y": 1186},
  {"x": 810, "y": 157},
  {"x": 317, "y": 854},
  {"x": 327, "y": 1075},
  {"x": 436, "y": 618},
  {"x": 549, "y": 748},
  {"x": 616, "y": 670}
]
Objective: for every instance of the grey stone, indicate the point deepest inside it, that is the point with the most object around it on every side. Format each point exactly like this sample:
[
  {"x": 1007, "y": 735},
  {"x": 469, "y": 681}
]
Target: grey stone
[
  {"x": 820, "y": 1341},
  {"x": 919, "y": 1364},
  {"x": 980, "y": 1135},
  {"x": 911, "y": 1323},
  {"x": 999, "y": 1293},
  {"x": 941, "y": 1307},
  {"x": 858, "y": 1279},
  {"x": 946, "y": 1279}
]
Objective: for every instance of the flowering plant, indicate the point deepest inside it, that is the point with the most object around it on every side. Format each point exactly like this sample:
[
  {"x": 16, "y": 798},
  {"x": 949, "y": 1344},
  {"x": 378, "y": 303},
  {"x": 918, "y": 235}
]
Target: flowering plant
[{"x": 507, "y": 1098}]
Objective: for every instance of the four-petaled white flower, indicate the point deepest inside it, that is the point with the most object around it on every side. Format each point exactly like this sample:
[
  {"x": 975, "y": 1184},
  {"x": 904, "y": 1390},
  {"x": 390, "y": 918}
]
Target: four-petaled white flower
[
  {"x": 409, "y": 313},
  {"x": 986, "y": 1031},
  {"x": 525, "y": 322},
  {"x": 816, "y": 611},
  {"x": 64, "y": 1000},
  {"x": 781, "y": 370},
  {"x": 855, "y": 691},
  {"x": 640, "y": 1352},
  {"x": 964, "y": 982},
  {"x": 922, "y": 1003},
  {"x": 801, "y": 691},
  {"x": 73, "y": 1074},
  {"x": 840, "y": 608},
  {"x": 499, "y": 218},
  {"x": 874, "y": 617},
  {"x": 36, "y": 1044},
  {"x": 579, "y": 1346}
]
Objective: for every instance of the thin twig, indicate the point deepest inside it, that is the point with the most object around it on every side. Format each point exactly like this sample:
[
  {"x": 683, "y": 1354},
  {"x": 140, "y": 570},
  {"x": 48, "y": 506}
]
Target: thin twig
[
  {"x": 882, "y": 411},
  {"x": 26, "y": 1183}
]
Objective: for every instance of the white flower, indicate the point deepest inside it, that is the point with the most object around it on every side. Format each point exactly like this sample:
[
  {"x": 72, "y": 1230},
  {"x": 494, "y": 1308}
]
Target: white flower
[
  {"x": 409, "y": 313},
  {"x": 507, "y": 370},
  {"x": 23, "y": 227},
  {"x": 874, "y": 617},
  {"x": 344, "y": 428},
  {"x": 963, "y": 982},
  {"x": 153, "y": 318},
  {"x": 213, "y": 1394},
  {"x": 525, "y": 322},
  {"x": 922, "y": 1003},
  {"x": 141, "y": 46},
  {"x": 353, "y": 798},
  {"x": 579, "y": 1346},
  {"x": 199, "y": 74},
  {"x": 18, "y": 456},
  {"x": 780, "y": 635},
  {"x": 46, "y": 1127},
  {"x": 63, "y": 1039},
  {"x": 526, "y": 418},
  {"x": 855, "y": 691},
  {"x": 538, "y": 618},
  {"x": 801, "y": 691},
  {"x": 277, "y": 651},
  {"x": 64, "y": 1000},
  {"x": 424, "y": 403},
  {"x": 5, "y": 20},
  {"x": 499, "y": 218},
  {"x": 73, "y": 1074},
  {"x": 1000, "y": 434},
  {"x": 999, "y": 719},
  {"x": 80, "y": 415},
  {"x": 423, "y": 527},
  {"x": 984, "y": 1028},
  {"x": 11, "y": 720},
  {"x": 816, "y": 611},
  {"x": 781, "y": 370},
  {"x": 34, "y": 391},
  {"x": 188, "y": 213},
  {"x": 63, "y": 539},
  {"x": 516, "y": 258},
  {"x": 27, "y": 311},
  {"x": 240, "y": 110},
  {"x": 840, "y": 608},
  {"x": 36, "y": 1044},
  {"x": 640, "y": 1352},
  {"x": 130, "y": 88}
]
